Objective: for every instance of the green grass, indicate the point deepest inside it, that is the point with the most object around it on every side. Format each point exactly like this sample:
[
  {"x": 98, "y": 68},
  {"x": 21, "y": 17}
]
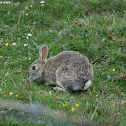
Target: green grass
[{"x": 95, "y": 28}]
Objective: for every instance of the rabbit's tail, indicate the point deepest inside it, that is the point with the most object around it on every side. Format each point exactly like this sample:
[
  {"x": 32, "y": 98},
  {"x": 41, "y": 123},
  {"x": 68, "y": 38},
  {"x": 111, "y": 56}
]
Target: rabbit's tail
[{"x": 87, "y": 85}]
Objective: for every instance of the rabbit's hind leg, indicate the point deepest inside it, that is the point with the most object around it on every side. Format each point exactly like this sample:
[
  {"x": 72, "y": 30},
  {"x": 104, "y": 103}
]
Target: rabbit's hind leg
[{"x": 67, "y": 79}]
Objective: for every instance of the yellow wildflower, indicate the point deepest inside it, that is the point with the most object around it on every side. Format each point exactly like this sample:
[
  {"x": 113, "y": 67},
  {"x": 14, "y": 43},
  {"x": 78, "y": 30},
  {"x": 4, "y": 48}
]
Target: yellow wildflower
[
  {"x": 64, "y": 105},
  {"x": 73, "y": 109},
  {"x": 29, "y": 58},
  {"x": 16, "y": 95},
  {"x": 11, "y": 93},
  {"x": 77, "y": 105},
  {"x": 96, "y": 95},
  {"x": 1, "y": 56},
  {"x": 113, "y": 70},
  {"x": 6, "y": 44}
]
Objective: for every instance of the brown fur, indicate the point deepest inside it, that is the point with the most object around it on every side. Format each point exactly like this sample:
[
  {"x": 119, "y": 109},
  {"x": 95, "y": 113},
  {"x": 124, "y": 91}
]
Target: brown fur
[{"x": 69, "y": 70}]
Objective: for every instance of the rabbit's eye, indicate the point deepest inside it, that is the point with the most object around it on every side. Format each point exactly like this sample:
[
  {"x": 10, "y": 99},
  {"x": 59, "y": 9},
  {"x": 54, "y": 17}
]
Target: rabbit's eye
[{"x": 34, "y": 67}]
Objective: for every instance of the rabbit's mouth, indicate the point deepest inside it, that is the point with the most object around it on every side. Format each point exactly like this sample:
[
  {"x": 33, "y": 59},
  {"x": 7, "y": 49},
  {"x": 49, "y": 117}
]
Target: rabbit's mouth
[{"x": 35, "y": 78}]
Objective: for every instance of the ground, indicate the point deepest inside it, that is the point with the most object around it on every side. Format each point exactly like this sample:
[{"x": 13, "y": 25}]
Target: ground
[{"x": 94, "y": 28}]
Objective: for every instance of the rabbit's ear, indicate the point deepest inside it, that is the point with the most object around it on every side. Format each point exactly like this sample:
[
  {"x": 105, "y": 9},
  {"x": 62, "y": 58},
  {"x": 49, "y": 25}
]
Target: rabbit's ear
[{"x": 43, "y": 52}]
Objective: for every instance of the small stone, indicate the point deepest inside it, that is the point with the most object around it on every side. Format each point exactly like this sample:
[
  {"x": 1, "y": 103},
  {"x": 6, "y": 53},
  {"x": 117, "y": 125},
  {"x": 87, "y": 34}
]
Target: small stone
[{"x": 108, "y": 77}]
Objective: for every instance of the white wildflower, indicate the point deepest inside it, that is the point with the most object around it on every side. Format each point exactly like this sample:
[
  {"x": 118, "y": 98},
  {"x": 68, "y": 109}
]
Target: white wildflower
[
  {"x": 29, "y": 35},
  {"x": 25, "y": 45},
  {"x": 14, "y": 44}
]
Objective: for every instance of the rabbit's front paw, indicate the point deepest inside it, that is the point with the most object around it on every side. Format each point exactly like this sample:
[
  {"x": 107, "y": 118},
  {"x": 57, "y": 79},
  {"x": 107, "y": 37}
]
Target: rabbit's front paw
[
  {"x": 46, "y": 84},
  {"x": 59, "y": 89}
]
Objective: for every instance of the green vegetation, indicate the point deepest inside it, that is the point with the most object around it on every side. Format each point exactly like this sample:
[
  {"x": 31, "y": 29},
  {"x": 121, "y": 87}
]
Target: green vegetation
[{"x": 95, "y": 28}]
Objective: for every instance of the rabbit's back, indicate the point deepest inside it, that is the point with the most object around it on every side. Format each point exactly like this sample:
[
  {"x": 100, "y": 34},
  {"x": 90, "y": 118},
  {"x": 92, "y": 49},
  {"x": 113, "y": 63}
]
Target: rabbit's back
[{"x": 69, "y": 59}]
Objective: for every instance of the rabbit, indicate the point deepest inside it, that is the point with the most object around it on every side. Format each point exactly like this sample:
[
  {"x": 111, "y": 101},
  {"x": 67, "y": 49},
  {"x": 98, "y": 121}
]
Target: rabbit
[{"x": 69, "y": 71}]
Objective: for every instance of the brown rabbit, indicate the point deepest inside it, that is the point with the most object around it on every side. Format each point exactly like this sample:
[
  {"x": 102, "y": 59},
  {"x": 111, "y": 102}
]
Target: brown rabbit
[{"x": 69, "y": 70}]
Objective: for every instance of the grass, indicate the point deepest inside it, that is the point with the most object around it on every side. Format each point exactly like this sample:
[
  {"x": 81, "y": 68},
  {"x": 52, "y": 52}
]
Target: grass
[{"x": 95, "y": 28}]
